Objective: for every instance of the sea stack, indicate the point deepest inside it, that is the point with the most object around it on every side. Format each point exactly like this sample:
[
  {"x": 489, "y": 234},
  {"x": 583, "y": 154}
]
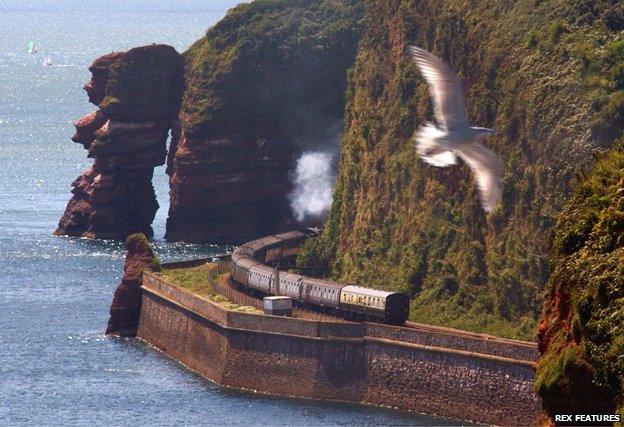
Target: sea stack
[
  {"x": 138, "y": 94},
  {"x": 125, "y": 310}
]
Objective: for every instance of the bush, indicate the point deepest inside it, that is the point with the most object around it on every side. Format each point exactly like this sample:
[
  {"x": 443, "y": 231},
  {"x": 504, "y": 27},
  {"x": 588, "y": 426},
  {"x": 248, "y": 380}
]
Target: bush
[
  {"x": 531, "y": 39},
  {"x": 613, "y": 18},
  {"x": 556, "y": 30},
  {"x": 609, "y": 124}
]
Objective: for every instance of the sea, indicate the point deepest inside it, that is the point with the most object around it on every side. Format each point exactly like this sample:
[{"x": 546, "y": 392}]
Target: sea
[{"x": 56, "y": 365}]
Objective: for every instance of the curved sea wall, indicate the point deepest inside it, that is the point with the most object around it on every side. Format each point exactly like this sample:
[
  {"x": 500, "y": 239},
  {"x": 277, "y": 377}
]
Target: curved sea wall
[{"x": 342, "y": 361}]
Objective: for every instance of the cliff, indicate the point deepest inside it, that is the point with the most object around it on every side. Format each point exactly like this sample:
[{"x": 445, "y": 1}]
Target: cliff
[
  {"x": 547, "y": 77},
  {"x": 138, "y": 95},
  {"x": 581, "y": 333},
  {"x": 125, "y": 310},
  {"x": 263, "y": 85}
]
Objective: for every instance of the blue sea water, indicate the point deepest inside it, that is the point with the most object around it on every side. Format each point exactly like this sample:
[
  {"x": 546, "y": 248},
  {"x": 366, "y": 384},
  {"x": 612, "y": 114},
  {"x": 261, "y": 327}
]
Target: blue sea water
[{"x": 56, "y": 366}]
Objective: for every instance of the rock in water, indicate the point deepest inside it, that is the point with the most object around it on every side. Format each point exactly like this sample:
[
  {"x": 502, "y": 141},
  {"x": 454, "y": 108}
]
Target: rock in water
[
  {"x": 138, "y": 93},
  {"x": 126, "y": 307}
]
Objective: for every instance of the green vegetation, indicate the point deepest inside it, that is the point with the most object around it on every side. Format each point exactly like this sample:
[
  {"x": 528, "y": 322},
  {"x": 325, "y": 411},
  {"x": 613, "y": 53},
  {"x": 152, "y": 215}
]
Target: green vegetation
[
  {"x": 582, "y": 330},
  {"x": 275, "y": 66},
  {"x": 195, "y": 280},
  {"x": 545, "y": 75},
  {"x": 146, "y": 84},
  {"x": 138, "y": 243}
]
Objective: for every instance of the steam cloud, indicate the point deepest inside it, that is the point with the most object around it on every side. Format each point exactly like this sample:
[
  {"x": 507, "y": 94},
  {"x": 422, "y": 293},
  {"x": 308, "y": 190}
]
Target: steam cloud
[{"x": 314, "y": 181}]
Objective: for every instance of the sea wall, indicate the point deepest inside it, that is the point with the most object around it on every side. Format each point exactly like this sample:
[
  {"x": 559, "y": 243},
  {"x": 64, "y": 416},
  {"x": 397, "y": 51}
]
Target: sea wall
[{"x": 338, "y": 361}]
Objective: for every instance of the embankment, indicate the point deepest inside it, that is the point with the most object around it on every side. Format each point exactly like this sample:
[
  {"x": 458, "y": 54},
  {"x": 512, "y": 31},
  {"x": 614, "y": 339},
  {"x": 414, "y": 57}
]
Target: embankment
[{"x": 429, "y": 370}]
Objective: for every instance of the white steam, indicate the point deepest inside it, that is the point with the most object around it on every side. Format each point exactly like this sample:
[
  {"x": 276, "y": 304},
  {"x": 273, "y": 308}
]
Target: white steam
[{"x": 314, "y": 182}]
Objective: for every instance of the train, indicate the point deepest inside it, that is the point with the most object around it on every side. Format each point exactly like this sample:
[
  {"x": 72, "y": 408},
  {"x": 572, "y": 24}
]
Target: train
[{"x": 255, "y": 265}]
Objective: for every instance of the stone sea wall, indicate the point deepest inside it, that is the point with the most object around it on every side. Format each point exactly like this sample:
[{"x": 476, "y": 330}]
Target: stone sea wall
[{"x": 342, "y": 361}]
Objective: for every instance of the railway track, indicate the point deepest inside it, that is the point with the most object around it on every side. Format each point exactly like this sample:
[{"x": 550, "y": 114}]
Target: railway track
[
  {"x": 238, "y": 295},
  {"x": 280, "y": 251},
  {"x": 410, "y": 332}
]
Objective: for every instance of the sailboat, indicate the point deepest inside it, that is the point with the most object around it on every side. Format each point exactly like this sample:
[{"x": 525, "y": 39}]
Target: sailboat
[
  {"x": 48, "y": 61},
  {"x": 32, "y": 47}
]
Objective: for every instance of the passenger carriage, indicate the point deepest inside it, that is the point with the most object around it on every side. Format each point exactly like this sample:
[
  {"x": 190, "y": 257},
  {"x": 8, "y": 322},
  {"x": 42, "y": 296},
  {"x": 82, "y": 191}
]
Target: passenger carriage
[
  {"x": 392, "y": 307},
  {"x": 247, "y": 267},
  {"x": 321, "y": 292}
]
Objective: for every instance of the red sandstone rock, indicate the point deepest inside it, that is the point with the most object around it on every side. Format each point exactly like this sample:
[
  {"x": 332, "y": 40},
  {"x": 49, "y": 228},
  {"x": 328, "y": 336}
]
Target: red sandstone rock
[
  {"x": 115, "y": 197},
  {"x": 228, "y": 189},
  {"x": 86, "y": 128},
  {"x": 126, "y": 307},
  {"x": 96, "y": 87}
]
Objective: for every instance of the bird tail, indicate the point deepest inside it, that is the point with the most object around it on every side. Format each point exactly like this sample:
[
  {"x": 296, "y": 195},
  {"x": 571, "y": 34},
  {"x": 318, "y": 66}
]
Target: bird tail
[
  {"x": 487, "y": 168},
  {"x": 430, "y": 149}
]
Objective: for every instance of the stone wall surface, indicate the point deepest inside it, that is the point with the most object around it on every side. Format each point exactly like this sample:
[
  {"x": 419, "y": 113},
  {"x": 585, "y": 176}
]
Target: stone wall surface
[
  {"x": 452, "y": 384},
  {"x": 453, "y": 338},
  {"x": 335, "y": 361}
]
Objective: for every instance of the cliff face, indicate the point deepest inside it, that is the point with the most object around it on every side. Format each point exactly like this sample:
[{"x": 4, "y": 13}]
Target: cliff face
[
  {"x": 138, "y": 94},
  {"x": 264, "y": 85},
  {"x": 581, "y": 334},
  {"x": 125, "y": 310},
  {"x": 542, "y": 75}
]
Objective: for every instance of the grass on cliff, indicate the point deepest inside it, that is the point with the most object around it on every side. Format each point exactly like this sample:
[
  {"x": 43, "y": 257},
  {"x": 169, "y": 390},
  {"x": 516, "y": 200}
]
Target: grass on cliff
[
  {"x": 274, "y": 66},
  {"x": 195, "y": 280},
  {"x": 582, "y": 330},
  {"x": 547, "y": 76}
]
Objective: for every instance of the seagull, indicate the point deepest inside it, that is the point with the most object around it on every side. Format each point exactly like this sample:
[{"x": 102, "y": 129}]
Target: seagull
[{"x": 453, "y": 136}]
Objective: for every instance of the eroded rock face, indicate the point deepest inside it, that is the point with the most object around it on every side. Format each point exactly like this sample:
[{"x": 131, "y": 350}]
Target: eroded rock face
[
  {"x": 225, "y": 190},
  {"x": 262, "y": 86},
  {"x": 138, "y": 93},
  {"x": 125, "y": 310}
]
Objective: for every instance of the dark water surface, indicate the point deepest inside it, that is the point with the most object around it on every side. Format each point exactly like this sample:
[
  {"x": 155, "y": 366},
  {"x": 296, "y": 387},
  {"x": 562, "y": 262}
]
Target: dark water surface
[{"x": 56, "y": 366}]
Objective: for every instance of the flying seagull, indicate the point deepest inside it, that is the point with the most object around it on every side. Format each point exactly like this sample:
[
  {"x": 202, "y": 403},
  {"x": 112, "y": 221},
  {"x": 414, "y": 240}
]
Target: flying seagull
[{"x": 453, "y": 136}]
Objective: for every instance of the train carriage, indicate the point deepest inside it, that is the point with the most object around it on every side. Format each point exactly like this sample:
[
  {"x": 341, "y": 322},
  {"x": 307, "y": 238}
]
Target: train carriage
[
  {"x": 289, "y": 285},
  {"x": 247, "y": 267},
  {"x": 241, "y": 267},
  {"x": 288, "y": 245},
  {"x": 261, "y": 278},
  {"x": 392, "y": 307},
  {"x": 273, "y": 248},
  {"x": 321, "y": 292}
]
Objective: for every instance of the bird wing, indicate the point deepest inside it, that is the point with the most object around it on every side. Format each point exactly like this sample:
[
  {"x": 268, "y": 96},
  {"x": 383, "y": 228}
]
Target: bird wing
[
  {"x": 446, "y": 89},
  {"x": 487, "y": 168},
  {"x": 430, "y": 150}
]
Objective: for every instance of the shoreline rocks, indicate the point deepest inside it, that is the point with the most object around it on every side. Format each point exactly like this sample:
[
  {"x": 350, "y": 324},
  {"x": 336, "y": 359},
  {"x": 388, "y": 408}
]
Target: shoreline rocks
[{"x": 125, "y": 309}]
